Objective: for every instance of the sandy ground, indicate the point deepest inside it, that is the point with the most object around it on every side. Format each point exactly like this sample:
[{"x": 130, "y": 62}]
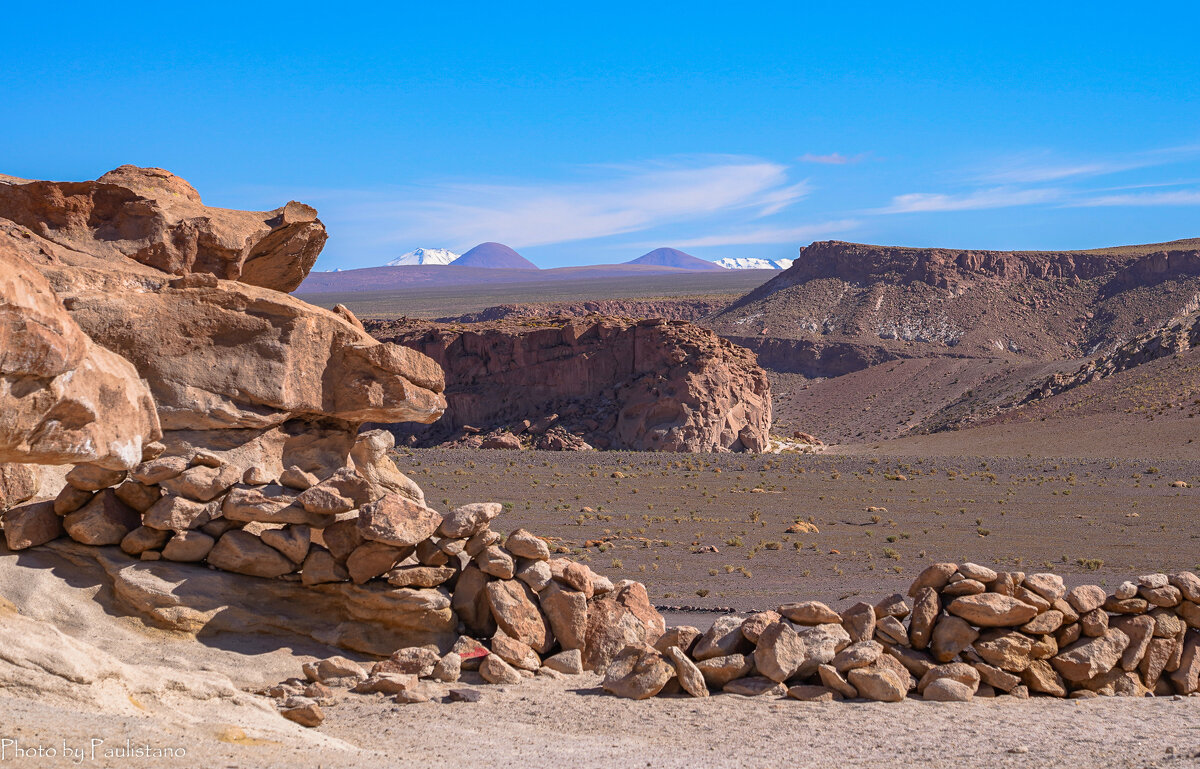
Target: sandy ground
[
  {"x": 544, "y": 723},
  {"x": 538, "y": 723}
]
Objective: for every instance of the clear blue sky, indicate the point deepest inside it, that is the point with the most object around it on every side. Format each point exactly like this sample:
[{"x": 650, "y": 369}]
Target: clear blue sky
[{"x": 592, "y": 134}]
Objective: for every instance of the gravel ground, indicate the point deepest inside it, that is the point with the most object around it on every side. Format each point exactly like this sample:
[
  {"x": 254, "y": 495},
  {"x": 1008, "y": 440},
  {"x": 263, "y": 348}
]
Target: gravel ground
[{"x": 712, "y": 530}]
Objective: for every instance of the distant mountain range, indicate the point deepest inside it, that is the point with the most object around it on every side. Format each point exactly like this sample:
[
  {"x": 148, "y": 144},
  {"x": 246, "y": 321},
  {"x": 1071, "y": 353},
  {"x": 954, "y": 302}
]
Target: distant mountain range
[
  {"x": 499, "y": 257},
  {"x": 755, "y": 264}
]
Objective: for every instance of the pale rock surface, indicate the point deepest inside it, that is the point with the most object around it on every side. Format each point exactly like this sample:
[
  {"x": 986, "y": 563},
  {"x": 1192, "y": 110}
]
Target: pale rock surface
[
  {"x": 718, "y": 671},
  {"x": 691, "y": 680},
  {"x": 569, "y": 662},
  {"x": 396, "y": 520},
  {"x": 468, "y": 520},
  {"x": 244, "y": 553}
]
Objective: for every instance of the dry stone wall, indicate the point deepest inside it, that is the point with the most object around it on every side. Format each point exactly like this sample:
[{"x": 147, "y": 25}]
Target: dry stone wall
[
  {"x": 366, "y": 530},
  {"x": 963, "y": 631}
]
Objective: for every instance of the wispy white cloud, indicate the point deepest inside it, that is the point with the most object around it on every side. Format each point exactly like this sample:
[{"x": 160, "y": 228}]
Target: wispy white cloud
[
  {"x": 1044, "y": 166},
  {"x": 1172, "y": 198},
  {"x": 622, "y": 199},
  {"x": 766, "y": 235},
  {"x": 774, "y": 201},
  {"x": 1036, "y": 174},
  {"x": 832, "y": 159},
  {"x": 1145, "y": 186},
  {"x": 996, "y": 197}
]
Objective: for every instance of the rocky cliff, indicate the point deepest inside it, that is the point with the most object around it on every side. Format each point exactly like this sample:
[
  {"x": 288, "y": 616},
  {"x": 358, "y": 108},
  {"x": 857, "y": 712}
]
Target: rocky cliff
[
  {"x": 644, "y": 385},
  {"x": 997, "y": 323},
  {"x": 915, "y": 301}
]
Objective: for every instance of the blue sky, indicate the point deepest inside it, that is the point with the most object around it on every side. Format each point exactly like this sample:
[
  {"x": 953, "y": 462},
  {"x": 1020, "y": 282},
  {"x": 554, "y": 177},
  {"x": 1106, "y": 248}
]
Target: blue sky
[{"x": 592, "y": 134}]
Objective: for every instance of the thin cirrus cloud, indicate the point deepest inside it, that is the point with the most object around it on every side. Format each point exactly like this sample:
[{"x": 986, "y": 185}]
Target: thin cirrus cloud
[
  {"x": 625, "y": 200},
  {"x": 832, "y": 159},
  {"x": 1041, "y": 167},
  {"x": 769, "y": 235},
  {"x": 1171, "y": 198},
  {"x": 996, "y": 197}
]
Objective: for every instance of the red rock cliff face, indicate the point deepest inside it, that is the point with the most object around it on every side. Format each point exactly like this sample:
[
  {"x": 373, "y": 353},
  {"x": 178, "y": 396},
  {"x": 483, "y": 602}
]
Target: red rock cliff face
[{"x": 648, "y": 385}]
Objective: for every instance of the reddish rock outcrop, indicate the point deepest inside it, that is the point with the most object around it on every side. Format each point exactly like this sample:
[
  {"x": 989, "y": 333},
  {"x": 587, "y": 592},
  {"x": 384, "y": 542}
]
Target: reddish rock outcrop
[
  {"x": 648, "y": 385},
  {"x": 250, "y": 385},
  {"x": 142, "y": 267},
  {"x": 63, "y": 399},
  {"x": 909, "y": 302},
  {"x": 157, "y": 219}
]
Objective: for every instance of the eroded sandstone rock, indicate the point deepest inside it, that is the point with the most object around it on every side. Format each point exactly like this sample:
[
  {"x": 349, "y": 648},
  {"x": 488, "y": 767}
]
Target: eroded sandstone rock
[{"x": 63, "y": 398}]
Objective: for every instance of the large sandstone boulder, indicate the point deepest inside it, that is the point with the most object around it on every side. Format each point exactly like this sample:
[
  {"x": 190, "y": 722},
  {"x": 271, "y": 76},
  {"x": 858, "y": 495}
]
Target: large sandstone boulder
[
  {"x": 155, "y": 218},
  {"x": 63, "y": 399},
  {"x": 193, "y": 297},
  {"x": 238, "y": 356}
]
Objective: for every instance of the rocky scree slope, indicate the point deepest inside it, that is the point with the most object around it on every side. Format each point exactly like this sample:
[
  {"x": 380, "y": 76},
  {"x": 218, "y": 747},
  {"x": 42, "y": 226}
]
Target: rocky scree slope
[
  {"x": 1176, "y": 338},
  {"x": 649, "y": 385}
]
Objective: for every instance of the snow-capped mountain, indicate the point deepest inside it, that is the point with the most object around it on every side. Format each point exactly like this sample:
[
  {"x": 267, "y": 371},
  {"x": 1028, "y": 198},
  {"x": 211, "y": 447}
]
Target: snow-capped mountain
[
  {"x": 424, "y": 256},
  {"x": 755, "y": 264}
]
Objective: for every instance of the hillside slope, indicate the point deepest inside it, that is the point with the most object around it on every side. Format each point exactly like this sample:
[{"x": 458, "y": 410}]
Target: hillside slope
[{"x": 1000, "y": 323}]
